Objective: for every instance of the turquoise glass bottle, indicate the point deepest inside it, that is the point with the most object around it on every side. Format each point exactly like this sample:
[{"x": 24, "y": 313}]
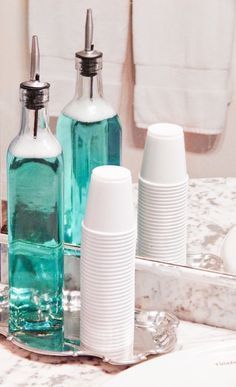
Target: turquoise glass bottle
[
  {"x": 90, "y": 134},
  {"x": 35, "y": 214}
]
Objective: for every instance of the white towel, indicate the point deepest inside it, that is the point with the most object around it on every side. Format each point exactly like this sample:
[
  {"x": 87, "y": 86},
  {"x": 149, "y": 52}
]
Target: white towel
[
  {"x": 182, "y": 55},
  {"x": 60, "y": 26}
]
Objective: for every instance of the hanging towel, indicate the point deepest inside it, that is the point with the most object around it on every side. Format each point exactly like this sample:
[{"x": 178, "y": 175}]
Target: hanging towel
[
  {"x": 182, "y": 55},
  {"x": 60, "y": 26}
]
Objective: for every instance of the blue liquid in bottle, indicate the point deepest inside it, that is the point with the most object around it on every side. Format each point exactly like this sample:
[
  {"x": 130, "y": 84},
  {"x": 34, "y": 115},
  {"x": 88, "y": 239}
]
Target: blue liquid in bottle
[
  {"x": 35, "y": 228},
  {"x": 86, "y": 145}
]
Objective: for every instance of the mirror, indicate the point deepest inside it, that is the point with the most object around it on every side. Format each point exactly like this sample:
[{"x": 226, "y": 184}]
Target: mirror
[{"x": 210, "y": 158}]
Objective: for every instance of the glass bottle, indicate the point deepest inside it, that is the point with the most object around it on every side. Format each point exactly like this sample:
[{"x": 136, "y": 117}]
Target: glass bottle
[
  {"x": 90, "y": 134},
  {"x": 35, "y": 214}
]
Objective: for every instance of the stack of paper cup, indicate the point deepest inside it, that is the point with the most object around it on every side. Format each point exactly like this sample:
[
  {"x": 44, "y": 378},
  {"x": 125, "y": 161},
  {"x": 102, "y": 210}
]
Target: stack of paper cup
[
  {"x": 108, "y": 264},
  {"x": 162, "y": 200}
]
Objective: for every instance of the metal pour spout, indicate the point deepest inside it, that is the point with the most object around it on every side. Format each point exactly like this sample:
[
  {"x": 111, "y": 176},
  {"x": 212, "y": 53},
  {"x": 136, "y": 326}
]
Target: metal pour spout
[
  {"x": 89, "y": 31},
  {"x": 35, "y": 60}
]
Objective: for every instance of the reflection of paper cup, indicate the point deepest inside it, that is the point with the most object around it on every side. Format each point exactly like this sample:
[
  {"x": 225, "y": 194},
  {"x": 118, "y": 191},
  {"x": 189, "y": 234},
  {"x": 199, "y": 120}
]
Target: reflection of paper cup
[
  {"x": 110, "y": 202},
  {"x": 164, "y": 155}
]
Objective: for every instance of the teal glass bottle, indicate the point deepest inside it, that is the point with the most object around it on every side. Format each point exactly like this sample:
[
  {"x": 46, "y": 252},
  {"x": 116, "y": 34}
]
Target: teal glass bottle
[
  {"x": 35, "y": 217},
  {"x": 90, "y": 134}
]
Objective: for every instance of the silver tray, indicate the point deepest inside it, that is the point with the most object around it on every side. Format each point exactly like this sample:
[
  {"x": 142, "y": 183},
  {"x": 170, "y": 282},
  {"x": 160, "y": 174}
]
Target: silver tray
[{"x": 155, "y": 334}]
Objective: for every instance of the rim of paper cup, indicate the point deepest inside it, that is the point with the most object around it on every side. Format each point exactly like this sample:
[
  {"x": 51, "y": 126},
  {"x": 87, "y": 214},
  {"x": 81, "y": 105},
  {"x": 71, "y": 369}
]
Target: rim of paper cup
[
  {"x": 107, "y": 271},
  {"x": 103, "y": 300},
  {"x": 162, "y": 223},
  {"x": 156, "y": 214},
  {"x": 158, "y": 219},
  {"x": 103, "y": 351},
  {"x": 105, "y": 344},
  {"x": 147, "y": 238},
  {"x": 154, "y": 188},
  {"x": 164, "y": 199},
  {"x": 120, "y": 280},
  {"x": 155, "y": 210},
  {"x": 167, "y": 247},
  {"x": 92, "y": 265},
  {"x": 92, "y": 299},
  {"x": 158, "y": 227},
  {"x": 106, "y": 234},
  {"x": 123, "y": 257},
  {"x": 109, "y": 267},
  {"x": 165, "y": 250},
  {"x": 110, "y": 341},
  {"x": 162, "y": 196},
  {"x": 163, "y": 185},
  {"x": 148, "y": 217},
  {"x": 152, "y": 237},
  {"x": 161, "y": 249},
  {"x": 159, "y": 209},
  {"x": 117, "y": 245},
  {"x": 91, "y": 320},
  {"x": 118, "y": 286},
  {"x": 101, "y": 244},
  {"x": 170, "y": 253},
  {"x": 108, "y": 344},
  {"x": 163, "y": 191},
  {"x": 115, "y": 337},
  {"x": 167, "y": 196},
  {"x": 118, "y": 297},
  {"x": 169, "y": 199},
  {"x": 116, "y": 248},
  {"x": 173, "y": 198},
  {"x": 116, "y": 312},
  {"x": 163, "y": 233},
  {"x": 162, "y": 206},
  {"x": 112, "y": 252},
  {"x": 122, "y": 294},
  {"x": 110, "y": 238},
  {"x": 170, "y": 258},
  {"x": 118, "y": 309},
  {"x": 106, "y": 267},
  {"x": 109, "y": 256},
  {"x": 165, "y": 130}
]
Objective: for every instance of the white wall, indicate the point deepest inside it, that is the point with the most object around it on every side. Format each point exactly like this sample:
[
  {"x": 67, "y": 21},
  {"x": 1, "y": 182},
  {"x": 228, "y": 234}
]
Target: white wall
[
  {"x": 13, "y": 69},
  {"x": 219, "y": 161}
]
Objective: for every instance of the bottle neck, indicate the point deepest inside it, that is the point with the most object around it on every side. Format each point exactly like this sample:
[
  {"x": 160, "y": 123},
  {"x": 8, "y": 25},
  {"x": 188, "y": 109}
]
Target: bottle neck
[
  {"x": 33, "y": 122},
  {"x": 89, "y": 87}
]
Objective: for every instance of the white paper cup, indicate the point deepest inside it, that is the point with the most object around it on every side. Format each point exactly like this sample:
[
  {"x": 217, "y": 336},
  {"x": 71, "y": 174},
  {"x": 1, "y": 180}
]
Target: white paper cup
[
  {"x": 164, "y": 155},
  {"x": 155, "y": 187},
  {"x": 108, "y": 237},
  {"x": 110, "y": 201}
]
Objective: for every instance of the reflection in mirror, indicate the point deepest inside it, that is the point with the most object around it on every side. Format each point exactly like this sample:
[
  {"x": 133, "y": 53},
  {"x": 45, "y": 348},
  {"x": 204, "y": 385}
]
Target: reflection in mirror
[{"x": 211, "y": 215}]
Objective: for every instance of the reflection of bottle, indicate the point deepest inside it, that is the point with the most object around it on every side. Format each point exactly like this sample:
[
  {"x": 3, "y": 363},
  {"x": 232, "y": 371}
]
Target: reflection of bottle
[
  {"x": 90, "y": 134},
  {"x": 35, "y": 213}
]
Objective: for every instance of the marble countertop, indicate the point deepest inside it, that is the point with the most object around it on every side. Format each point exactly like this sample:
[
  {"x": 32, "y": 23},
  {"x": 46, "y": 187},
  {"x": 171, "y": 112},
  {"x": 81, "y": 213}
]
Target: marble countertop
[
  {"x": 20, "y": 368},
  {"x": 211, "y": 213}
]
